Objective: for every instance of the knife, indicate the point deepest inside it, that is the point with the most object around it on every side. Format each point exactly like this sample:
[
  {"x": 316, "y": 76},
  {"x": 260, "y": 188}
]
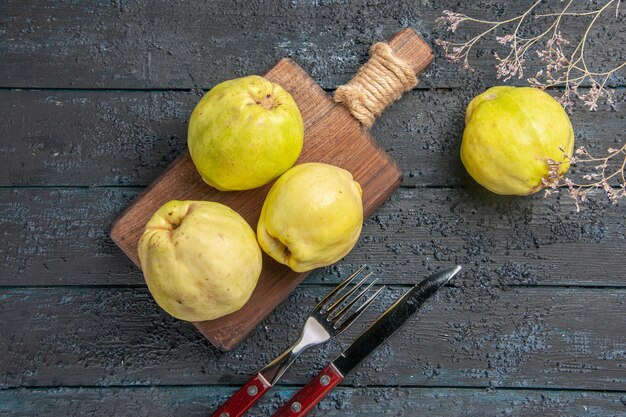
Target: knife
[{"x": 375, "y": 335}]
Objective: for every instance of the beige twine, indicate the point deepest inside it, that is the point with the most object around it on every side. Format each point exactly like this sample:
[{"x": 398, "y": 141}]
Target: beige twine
[{"x": 377, "y": 84}]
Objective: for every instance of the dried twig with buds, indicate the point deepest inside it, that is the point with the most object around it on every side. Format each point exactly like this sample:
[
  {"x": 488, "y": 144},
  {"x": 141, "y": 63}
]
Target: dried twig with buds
[
  {"x": 566, "y": 69},
  {"x": 569, "y": 70},
  {"x": 607, "y": 171}
]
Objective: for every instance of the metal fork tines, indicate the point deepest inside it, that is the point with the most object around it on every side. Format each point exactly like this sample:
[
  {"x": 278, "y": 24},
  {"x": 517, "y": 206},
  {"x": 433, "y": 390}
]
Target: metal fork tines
[{"x": 337, "y": 311}]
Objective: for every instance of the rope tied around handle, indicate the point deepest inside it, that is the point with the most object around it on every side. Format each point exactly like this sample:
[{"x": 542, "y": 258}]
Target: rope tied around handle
[{"x": 377, "y": 84}]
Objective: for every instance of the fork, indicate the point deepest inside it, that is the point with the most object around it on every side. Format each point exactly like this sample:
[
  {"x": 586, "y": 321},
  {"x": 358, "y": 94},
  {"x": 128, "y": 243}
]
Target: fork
[{"x": 328, "y": 319}]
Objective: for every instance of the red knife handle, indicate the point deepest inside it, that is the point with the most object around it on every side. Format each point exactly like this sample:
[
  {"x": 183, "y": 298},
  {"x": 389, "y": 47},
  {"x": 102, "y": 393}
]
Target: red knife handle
[
  {"x": 311, "y": 394},
  {"x": 242, "y": 400}
]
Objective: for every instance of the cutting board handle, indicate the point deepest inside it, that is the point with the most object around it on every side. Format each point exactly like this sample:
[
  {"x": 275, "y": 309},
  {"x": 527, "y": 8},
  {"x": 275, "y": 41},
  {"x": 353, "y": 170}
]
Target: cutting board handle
[{"x": 391, "y": 70}]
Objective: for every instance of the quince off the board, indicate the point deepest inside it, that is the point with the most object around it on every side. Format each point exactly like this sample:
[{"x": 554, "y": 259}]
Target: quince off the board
[{"x": 516, "y": 140}]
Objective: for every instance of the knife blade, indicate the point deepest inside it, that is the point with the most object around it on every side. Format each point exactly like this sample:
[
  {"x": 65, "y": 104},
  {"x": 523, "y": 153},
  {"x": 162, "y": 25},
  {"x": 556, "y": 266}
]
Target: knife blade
[{"x": 371, "y": 339}]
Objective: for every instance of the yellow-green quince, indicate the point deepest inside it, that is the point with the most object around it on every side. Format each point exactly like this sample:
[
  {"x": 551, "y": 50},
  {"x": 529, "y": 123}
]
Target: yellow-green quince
[
  {"x": 517, "y": 140},
  {"x": 244, "y": 133}
]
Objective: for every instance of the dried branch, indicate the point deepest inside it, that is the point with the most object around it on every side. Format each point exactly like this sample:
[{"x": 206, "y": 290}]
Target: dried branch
[
  {"x": 606, "y": 171},
  {"x": 569, "y": 70}
]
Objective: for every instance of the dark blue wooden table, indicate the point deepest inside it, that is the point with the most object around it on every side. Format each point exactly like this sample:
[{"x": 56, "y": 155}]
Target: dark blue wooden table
[{"x": 95, "y": 97}]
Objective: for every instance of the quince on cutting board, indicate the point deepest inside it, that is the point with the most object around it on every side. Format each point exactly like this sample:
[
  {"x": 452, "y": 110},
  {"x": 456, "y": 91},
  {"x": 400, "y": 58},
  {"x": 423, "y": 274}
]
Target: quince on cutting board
[
  {"x": 312, "y": 216},
  {"x": 244, "y": 133},
  {"x": 200, "y": 259}
]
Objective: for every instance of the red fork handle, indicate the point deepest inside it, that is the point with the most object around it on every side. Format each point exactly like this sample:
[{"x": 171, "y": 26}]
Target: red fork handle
[
  {"x": 311, "y": 394},
  {"x": 242, "y": 400}
]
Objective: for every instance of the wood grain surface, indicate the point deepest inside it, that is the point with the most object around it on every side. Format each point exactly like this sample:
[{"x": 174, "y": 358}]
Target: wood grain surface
[
  {"x": 504, "y": 338},
  {"x": 95, "y": 98},
  {"x": 342, "y": 402},
  {"x": 331, "y": 135},
  {"x": 152, "y": 44}
]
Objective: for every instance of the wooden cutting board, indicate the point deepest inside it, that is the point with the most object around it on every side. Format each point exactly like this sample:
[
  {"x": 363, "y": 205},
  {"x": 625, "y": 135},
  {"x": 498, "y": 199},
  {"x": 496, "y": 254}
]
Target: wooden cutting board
[{"x": 331, "y": 135}]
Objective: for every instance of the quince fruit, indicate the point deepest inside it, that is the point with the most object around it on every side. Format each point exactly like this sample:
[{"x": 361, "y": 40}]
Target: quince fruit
[
  {"x": 517, "y": 140},
  {"x": 244, "y": 133},
  {"x": 312, "y": 216},
  {"x": 200, "y": 259}
]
